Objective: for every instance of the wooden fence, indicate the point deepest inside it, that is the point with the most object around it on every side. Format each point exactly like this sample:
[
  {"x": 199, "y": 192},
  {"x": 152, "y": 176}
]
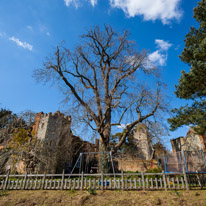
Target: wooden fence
[{"x": 123, "y": 181}]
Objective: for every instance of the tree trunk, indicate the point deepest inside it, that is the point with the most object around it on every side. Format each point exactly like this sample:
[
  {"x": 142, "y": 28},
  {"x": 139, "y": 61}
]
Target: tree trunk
[{"x": 103, "y": 157}]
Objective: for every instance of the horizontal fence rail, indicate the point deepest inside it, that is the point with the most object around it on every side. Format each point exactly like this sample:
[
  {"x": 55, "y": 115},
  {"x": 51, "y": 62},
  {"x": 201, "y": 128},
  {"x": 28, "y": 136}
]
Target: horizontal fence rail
[{"x": 117, "y": 181}]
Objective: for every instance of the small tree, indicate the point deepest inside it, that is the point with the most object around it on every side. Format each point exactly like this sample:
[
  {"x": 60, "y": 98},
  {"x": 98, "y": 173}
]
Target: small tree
[
  {"x": 107, "y": 80},
  {"x": 16, "y": 136}
]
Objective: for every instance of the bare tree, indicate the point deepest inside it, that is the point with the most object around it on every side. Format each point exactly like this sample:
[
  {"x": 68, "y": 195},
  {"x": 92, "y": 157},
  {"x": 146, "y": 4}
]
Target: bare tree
[{"x": 108, "y": 80}]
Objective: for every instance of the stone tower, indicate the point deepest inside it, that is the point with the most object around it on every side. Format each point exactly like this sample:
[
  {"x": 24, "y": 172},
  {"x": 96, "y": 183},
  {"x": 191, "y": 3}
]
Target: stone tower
[
  {"x": 56, "y": 142},
  {"x": 143, "y": 142}
]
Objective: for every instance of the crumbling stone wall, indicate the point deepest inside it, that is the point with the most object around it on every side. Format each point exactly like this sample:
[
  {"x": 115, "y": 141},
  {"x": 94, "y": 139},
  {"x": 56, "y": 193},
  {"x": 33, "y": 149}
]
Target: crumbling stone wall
[
  {"x": 192, "y": 142},
  {"x": 135, "y": 164},
  {"x": 141, "y": 159}
]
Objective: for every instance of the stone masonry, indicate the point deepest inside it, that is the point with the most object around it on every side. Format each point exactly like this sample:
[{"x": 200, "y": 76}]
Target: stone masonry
[
  {"x": 58, "y": 148},
  {"x": 143, "y": 142},
  {"x": 192, "y": 142}
]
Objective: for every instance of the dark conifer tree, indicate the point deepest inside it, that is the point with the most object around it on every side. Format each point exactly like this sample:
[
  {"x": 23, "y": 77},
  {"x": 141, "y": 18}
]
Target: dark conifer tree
[{"x": 192, "y": 85}]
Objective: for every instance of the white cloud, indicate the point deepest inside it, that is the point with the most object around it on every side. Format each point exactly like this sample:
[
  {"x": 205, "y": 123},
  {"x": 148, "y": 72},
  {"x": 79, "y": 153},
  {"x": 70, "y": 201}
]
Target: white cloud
[
  {"x": 25, "y": 45},
  {"x": 159, "y": 57},
  {"x": 93, "y": 2},
  {"x": 164, "y": 10},
  {"x": 43, "y": 29},
  {"x": 77, "y": 2},
  {"x": 68, "y": 2},
  {"x": 30, "y": 28},
  {"x": 48, "y": 33},
  {"x": 2, "y": 34},
  {"x": 123, "y": 126},
  {"x": 177, "y": 47},
  {"x": 163, "y": 45}
]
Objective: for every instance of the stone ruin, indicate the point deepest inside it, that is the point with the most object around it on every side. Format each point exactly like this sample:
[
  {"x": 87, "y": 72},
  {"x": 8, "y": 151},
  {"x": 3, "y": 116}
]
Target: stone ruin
[
  {"x": 57, "y": 148},
  {"x": 192, "y": 142},
  {"x": 142, "y": 158},
  {"x": 55, "y": 142},
  {"x": 143, "y": 142},
  {"x": 187, "y": 152}
]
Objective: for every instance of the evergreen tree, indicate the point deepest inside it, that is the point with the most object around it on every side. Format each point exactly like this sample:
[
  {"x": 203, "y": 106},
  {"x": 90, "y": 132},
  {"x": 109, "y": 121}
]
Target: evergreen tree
[
  {"x": 128, "y": 146},
  {"x": 5, "y": 117},
  {"x": 192, "y": 85}
]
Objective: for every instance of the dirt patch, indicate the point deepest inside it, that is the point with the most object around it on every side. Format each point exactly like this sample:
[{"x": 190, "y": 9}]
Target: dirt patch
[
  {"x": 103, "y": 198},
  {"x": 81, "y": 200}
]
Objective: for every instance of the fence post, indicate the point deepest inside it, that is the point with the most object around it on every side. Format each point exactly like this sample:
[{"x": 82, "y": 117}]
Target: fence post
[
  {"x": 43, "y": 181},
  {"x": 122, "y": 176},
  {"x": 185, "y": 178},
  {"x": 165, "y": 164},
  {"x": 158, "y": 161},
  {"x": 203, "y": 156},
  {"x": 198, "y": 179},
  {"x": 102, "y": 180},
  {"x": 62, "y": 183},
  {"x": 82, "y": 180},
  {"x": 24, "y": 184},
  {"x": 143, "y": 183},
  {"x": 183, "y": 153},
  {"x": 164, "y": 179},
  {"x": 6, "y": 180}
]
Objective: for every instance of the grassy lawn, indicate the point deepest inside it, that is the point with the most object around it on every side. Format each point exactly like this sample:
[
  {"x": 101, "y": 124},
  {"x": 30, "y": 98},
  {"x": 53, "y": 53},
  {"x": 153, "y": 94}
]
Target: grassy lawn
[{"x": 103, "y": 198}]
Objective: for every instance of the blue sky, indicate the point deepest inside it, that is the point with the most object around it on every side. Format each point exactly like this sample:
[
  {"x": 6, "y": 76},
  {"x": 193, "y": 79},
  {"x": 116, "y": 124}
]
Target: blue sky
[{"x": 30, "y": 31}]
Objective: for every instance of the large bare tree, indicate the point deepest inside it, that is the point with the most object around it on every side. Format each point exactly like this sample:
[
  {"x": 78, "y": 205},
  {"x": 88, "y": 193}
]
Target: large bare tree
[{"x": 109, "y": 81}]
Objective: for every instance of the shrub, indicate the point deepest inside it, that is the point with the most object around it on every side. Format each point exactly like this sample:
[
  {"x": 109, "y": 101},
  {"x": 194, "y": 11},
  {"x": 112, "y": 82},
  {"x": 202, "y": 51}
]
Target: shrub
[
  {"x": 72, "y": 190},
  {"x": 153, "y": 170},
  {"x": 3, "y": 193},
  {"x": 91, "y": 191}
]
